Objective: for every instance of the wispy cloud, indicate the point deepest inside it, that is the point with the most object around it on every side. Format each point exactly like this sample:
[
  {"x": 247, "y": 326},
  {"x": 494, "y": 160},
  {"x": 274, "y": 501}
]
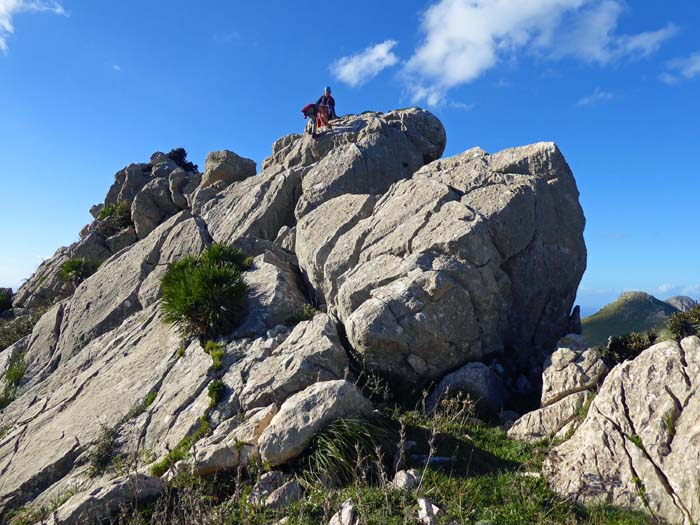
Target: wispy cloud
[
  {"x": 665, "y": 288},
  {"x": 117, "y": 68},
  {"x": 359, "y": 68},
  {"x": 10, "y": 8},
  {"x": 463, "y": 39},
  {"x": 682, "y": 69},
  {"x": 597, "y": 97},
  {"x": 616, "y": 236}
]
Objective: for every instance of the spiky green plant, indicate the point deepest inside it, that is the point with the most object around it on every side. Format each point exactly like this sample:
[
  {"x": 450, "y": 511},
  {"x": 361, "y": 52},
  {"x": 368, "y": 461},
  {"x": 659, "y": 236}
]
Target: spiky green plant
[
  {"x": 305, "y": 313},
  {"x": 217, "y": 353},
  {"x": 218, "y": 253},
  {"x": 13, "y": 377},
  {"x": 684, "y": 324},
  {"x": 204, "y": 295},
  {"x": 343, "y": 449},
  {"x": 76, "y": 270}
]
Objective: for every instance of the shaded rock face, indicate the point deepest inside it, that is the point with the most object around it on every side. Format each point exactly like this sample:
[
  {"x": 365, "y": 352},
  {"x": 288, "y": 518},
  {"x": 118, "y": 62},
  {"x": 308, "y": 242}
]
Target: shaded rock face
[
  {"x": 638, "y": 446},
  {"x": 227, "y": 167},
  {"x": 570, "y": 376},
  {"x": 453, "y": 264}
]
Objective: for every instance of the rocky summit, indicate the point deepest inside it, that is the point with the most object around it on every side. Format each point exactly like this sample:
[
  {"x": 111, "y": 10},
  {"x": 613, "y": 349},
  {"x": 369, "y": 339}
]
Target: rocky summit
[{"x": 369, "y": 255}]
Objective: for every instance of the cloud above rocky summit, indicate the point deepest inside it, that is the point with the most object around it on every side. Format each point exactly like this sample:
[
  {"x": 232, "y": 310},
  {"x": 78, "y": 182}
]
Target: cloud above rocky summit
[
  {"x": 682, "y": 69},
  {"x": 359, "y": 68},
  {"x": 10, "y": 8},
  {"x": 463, "y": 39}
]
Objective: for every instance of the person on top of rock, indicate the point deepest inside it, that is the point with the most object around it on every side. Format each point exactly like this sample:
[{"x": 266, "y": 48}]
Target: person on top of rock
[
  {"x": 310, "y": 111},
  {"x": 328, "y": 102}
]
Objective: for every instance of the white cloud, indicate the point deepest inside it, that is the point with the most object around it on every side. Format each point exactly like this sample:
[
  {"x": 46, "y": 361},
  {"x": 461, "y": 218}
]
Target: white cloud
[
  {"x": 594, "y": 98},
  {"x": 357, "y": 69},
  {"x": 665, "y": 288},
  {"x": 465, "y": 38},
  {"x": 117, "y": 68},
  {"x": 682, "y": 69},
  {"x": 10, "y": 8}
]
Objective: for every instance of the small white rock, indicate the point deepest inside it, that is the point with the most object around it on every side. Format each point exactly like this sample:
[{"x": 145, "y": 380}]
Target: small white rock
[{"x": 427, "y": 512}]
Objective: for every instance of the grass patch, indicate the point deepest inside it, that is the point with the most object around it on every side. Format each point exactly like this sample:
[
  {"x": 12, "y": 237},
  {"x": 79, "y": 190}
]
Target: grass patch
[
  {"x": 181, "y": 450},
  {"x": 634, "y": 438},
  {"x": 216, "y": 390},
  {"x": 31, "y": 515},
  {"x": 670, "y": 423},
  {"x": 114, "y": 218},
  {"x": 346, "y": 450},
  {"x": 217, "y": 352},
  {"x": 150, "y": 398},
  {"x": 204, "y": 296},
  {"x": 13, "y": 377},
  {"x": 305, "y": 313}
]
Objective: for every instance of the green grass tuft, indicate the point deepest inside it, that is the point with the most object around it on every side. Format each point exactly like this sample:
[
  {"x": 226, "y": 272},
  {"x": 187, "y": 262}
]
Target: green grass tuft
[
  {"x": 181, "y": 450},
  {"x": 15, "y": 372},
  {"x": 217, "y": 390},
  {"x": 217, "y": 353},
  {"x": 305, "y": 313}
]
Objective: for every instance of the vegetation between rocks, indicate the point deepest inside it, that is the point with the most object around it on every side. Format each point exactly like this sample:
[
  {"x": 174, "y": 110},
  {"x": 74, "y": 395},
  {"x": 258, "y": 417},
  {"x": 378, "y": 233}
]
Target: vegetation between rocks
[
  {"x": 12, "y": 330},
  {"x": 5, "y": 299},
  {"x": 113, "y": 218},
  {"x": 204, "y": 296},
  {"x": 13, "y": 377},
  {"x": 76, "y": 270}
]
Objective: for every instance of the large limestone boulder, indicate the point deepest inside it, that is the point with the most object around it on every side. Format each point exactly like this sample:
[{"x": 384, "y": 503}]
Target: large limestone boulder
[
  {"x": 476, "y": 380},
  {"x": 454, "y": 264},
  {"x": 45, "y": 286},
  {"x": 550, "y": 420},
  {"x": 226, "y": 166},
  {"x": 305, "y": 414},
  {"x": 639, "y": 444}
]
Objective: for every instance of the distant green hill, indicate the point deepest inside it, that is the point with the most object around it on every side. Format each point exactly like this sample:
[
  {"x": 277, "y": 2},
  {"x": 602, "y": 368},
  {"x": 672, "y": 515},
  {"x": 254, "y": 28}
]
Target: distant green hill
[{"x": 631, "y": 312}]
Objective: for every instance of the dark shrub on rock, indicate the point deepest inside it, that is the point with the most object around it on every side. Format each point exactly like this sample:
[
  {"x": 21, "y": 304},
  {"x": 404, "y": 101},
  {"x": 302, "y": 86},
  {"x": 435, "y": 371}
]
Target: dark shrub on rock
[
  {"x": 204, "y": 296},
  {"x": 624, "y": 347},
  {"x": 114, "y": 218},
  {"x": 684, "y": 324},
  {"x": 5, "y": 299},
  {"x": 75, "y": 271},
  {"x": 179, "y": 157}
]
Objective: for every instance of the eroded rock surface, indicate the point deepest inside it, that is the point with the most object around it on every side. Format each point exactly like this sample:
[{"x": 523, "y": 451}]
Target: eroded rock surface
[{"x": 638, "y": 446}]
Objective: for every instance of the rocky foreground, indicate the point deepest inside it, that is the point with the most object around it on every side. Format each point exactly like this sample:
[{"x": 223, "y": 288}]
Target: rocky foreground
[{"x": 371, "y": 255}]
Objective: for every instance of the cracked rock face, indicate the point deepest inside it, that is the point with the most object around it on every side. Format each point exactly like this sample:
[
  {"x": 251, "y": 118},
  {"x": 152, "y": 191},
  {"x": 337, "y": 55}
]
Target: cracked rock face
[
  {"x": 639, "y": 446},
  {"x": 453, "y": 264}
]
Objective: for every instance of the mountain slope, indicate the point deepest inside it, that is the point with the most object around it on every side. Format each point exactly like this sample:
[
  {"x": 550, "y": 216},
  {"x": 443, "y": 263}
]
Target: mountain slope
[{"x": 631, "y": 312}]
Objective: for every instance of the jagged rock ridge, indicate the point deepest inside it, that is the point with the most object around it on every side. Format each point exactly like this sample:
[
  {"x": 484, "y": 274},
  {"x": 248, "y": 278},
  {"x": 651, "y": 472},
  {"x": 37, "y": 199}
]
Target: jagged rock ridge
[{"x": 419, "y": 265}]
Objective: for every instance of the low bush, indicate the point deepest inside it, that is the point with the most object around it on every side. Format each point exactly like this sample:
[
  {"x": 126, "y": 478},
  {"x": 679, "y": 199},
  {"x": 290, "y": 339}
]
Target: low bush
[
  {"x": 5, "y": 299},
  {"x": 15, "y": 329},
  {"x": 75, "y": 271},
  {"x": 217, "y": 353},
  {"x": 102, "y": 454},
  {"x": 624, "y": 347},
  {"x": 684, "y": 324},
  {"x": 181, "y": 450},
  {"x": 204, "y": 296},
  {"x": 114, "y": 218},
  {"x": 179, "y": 156}
]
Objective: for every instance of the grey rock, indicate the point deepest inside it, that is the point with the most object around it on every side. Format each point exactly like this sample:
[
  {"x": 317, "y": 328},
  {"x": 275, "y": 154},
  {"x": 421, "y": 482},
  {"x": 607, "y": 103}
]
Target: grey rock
[
  {"x": 121, "y": 240},
  {"x": 346, "y": 515},
  {"x": 427, "y": 512},
  {"x": 226, "y": 166},
  {"x": 45, "y": 286},
  {"x": 285, "y": 495},
  {"x": 406, "y": 479},
  {"x": 448, "y": 266},
  {"x": 182, "y": 185},
  {"x": 548, "y": 421},
  {"x": 641, "y": 431},
  {"x": 311, "y": 353},
  {"x": 204, "y": 194},
  {"x": 92, "y": 246},
  {"x": 476, "y": 380},
  {"x": 286, "y": 238},
  {"x": 107, "y": 498},
  {"x": 572, "y": 368},
  {"x": 304, "y": 414},
  {"x": 266, "y": 485},
  {"x": 274, "y": 293},
  {"x": 128, "y": 182},
  {"x": 152, "y": 205},
  {"x": 257, "y": 206}
]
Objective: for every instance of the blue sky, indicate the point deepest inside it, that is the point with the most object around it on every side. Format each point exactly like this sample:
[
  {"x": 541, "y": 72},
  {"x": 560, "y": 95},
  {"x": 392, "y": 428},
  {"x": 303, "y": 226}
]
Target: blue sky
[{"x": 87, "y": 87}]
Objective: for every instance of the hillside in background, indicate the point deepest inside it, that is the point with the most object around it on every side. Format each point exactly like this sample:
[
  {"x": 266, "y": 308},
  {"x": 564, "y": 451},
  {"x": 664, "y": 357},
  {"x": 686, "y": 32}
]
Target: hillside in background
[{"x": 631, "y": 312}]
